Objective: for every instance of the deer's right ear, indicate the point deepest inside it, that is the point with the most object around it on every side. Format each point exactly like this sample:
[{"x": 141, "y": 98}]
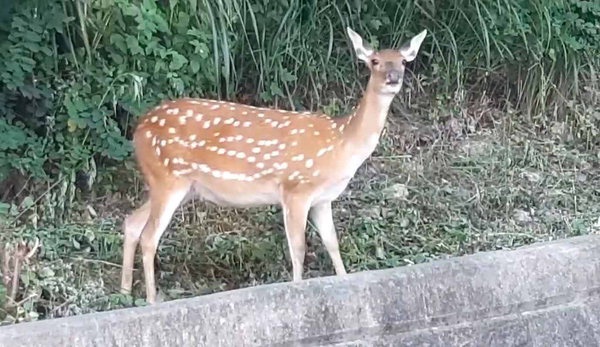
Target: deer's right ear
[{"x": 363, "y": 51}]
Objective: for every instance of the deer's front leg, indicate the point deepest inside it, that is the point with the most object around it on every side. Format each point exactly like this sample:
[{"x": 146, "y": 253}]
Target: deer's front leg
[{"x": 322, "y": 217}]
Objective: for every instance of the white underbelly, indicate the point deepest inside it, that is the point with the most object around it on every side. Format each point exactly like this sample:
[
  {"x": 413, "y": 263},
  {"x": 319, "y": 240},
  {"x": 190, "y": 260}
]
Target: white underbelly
[
  {"x": 331, "y": 191},
  {"x": 241, "y": 197}
]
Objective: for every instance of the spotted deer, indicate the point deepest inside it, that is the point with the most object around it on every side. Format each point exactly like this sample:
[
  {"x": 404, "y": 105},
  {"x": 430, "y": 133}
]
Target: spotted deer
[{"x": 238, "y": 155}]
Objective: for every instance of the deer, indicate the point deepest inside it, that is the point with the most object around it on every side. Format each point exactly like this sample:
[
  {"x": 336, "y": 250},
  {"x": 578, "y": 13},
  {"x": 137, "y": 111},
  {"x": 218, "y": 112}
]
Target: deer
[{"x": 237, "y": 155}]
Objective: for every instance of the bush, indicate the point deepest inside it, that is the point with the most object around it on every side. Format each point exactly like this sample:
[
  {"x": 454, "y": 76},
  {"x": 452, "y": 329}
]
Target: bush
[{"x": 75, "y": 75}]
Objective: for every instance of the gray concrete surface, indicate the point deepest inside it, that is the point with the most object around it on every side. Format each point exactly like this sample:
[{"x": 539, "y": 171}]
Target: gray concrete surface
[{"x": 542, "y": 295}]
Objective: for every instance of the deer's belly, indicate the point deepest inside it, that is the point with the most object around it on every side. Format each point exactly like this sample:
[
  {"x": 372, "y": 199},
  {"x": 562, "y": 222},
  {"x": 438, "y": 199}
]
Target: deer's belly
[
  {"x": 332, "y": 191},
  {"x": 237, "y": 195}
]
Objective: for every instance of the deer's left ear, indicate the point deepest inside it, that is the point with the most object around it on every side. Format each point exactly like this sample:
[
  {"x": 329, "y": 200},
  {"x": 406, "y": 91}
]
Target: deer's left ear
[
  {"x": 410, "y": 49},
  {"x": 363, "y": 51}
]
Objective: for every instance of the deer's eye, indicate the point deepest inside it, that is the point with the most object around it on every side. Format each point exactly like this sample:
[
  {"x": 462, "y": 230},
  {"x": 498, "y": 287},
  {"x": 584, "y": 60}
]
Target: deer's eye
[{"x": 374, "y": 61}]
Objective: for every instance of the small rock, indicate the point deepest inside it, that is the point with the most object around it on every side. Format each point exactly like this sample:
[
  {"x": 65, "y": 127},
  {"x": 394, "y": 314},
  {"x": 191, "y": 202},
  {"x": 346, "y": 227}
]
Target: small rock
[
  {"x": 397, "y": 191},
  {"x": 532, "y": 177},
  {"x": 522, "y": 216}
]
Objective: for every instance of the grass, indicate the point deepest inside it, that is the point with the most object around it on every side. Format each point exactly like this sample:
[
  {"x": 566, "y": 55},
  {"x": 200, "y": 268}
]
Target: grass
[{"x": 436, "y": 187}]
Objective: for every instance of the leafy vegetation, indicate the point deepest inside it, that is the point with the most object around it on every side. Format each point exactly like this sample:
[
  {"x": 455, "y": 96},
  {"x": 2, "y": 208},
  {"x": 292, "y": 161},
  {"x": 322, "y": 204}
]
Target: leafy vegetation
[{"x": 493, "y": 143}]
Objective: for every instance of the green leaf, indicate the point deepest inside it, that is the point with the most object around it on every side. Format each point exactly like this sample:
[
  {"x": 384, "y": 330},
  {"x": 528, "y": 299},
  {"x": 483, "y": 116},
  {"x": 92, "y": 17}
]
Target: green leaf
[{"x": 178, "y": 61}]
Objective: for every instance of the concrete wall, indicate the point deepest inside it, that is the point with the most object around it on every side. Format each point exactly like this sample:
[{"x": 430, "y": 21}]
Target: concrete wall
[{"x": 542, "y": 295}]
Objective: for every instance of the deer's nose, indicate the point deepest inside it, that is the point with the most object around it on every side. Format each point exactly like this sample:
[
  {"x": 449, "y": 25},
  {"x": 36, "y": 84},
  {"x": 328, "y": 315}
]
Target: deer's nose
[{"x": 393, "y": 77}]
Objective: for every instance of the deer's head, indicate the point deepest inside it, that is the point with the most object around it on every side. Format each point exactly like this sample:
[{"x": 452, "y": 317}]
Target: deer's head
[{"x": 386, "y": 65}]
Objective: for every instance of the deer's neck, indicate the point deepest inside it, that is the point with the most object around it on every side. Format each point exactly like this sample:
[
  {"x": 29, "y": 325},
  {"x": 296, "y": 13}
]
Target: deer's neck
[{"x": 364, "y": 126}]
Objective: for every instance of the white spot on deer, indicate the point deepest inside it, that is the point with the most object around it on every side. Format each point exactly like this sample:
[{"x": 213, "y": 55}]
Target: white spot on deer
[
  {"x": 182, "y": 172},
  {"x": 154, "y": 141},
  {"x": 204, "y": 168},
  {"x": 280, "y": 166},
  {"x": 182, "y": 120},
  {"x": 316, "y": 173},
  {"x": 148, "y": 134},
  {"x": 192, "y": 137},
  {"x": 342, "y": 127},
  {"x": 244, "y": 112},
  {"x": 333, "y": 125},
  {"x": 301, "y": 131},
  {"x": 217, "y": 134},
  {"x": 170, "y": 141},
  {"x": 221, "y": 151},
  {"x": 274, "y": 153},
  {"x": 154, "y": 119},
  {"x": 231, "y": 153},
  {"x": 309, "y": 163},
  {"x": 256, "y": 150},
  {"x": 236, "y": 123},
  {"x": 294, "y": 143},
  {"x": 298, "y": 157},
  {"x": 173, "y": 111},
  {"x": 166, "y": 162},
  {"x": 294, "y": 175},
  {"x": 260, "y": 115},
  {"x": 198, "y": 117},
  {"x": 232, "y": 108},
  {"x": 238, "y": 137},
  {"x": 247, "y": 124},
  {"x": 216, "y": 120},
  {"x": 172, "y": 131},
  {"x": 316, "y": 133},
  {"x": 157, "y": 149},
  {"x": 206, "y": 124},
  {"x": 205, "y": 103},
  {"x": 294, "y": 131},
  {"x": 189, "y": 113},
  {"x": 311, "y": 125},
  {"x": 161, "y": 122},
  {"x": 321, "y": 152},
  {"x": 212, "y": 148},
  {"x": 267, "y": 156},
  {"x": 249, "y": 140},
  {"x": 281, "y": 146},
  {"x": 240, "y": 155},
  {"x": 260, "y": 165},
  {"x": 163, "y": 143},
  {"x": 229, "y": 121},
  {"x": 251, "y": 159},
  {"x": 215, "y": 106},
  {"x": 216, "y": 173}
]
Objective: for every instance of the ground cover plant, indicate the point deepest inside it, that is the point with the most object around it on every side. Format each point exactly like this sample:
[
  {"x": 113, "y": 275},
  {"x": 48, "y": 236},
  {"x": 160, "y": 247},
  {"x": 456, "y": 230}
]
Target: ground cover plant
[{"x": 492, "y": 144}]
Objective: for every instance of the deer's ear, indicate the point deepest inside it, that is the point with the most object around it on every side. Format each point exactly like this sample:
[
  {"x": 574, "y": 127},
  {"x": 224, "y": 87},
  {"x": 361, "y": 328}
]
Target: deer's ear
[
  {"x": 410, "y": 49},
  {"x": 363, "y": 51}
]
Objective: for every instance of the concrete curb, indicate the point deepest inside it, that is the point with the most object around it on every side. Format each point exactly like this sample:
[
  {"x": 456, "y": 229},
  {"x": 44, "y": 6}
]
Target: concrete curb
[{"x": 546, "y": 294}]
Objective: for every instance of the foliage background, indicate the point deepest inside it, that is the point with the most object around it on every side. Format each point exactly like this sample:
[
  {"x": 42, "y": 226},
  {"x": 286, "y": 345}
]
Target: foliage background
[{"x": 75, "y": 75}]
